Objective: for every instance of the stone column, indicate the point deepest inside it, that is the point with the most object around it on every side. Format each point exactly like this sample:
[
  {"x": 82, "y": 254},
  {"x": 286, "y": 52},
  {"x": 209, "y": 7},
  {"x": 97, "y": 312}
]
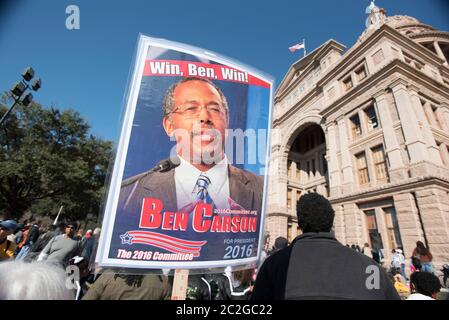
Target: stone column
[
  {"x": 434, "y": 206},
  {"x": 382, "y": 229},
  {"x": 277, "y": 182},
  {"x": 304, "y": 176},
  {"x": 413, "y": 137},
  {"x": 321, "y": 189},
  {"x": 408, "y": 221},
  {"x": 430, "y": 116},
  {"x": 339, "y": 224},
  {"x": 294, "y": 200},
  {"x": 333, "y": 167},
  {"x": 434, "y": 155},
  {"x": 440, "y": 52},
  {"x": 293, "y": 171},
  {"x": 276, "y": 226},
  {"x": 444, "y": 154},
  {"x": 317, "y": 165},
  {"x": 346, "y": 163},
  {"x": 371, "y": 168},
  {"x": 445, "y": 113},
  {"x": 363, "y": 122},
  {"x": 353, "y": 224},
  {"x": 397, "y": 170},
  {"x": 439, "y": 114},
  {"x": 277, "y": 178},
  {"x": 312, "y": 161},
  {"x": 299, "y": 174}
]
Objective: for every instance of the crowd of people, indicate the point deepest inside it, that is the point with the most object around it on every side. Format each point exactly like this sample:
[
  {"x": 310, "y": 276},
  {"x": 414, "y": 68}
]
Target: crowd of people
[
  {"x": 34, "y": 261},
  {"x": 57, "y": 244},
  {"x": 421, "y": 270},
  {"x": 36, "y": 257}
]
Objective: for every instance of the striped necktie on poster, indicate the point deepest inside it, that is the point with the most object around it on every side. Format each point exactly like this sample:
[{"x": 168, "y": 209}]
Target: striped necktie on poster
[{"x": 202, "y": 194}]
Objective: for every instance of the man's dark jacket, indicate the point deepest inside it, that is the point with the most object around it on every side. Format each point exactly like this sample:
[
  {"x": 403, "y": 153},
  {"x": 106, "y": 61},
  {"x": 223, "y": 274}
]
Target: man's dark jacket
[
  {"x": 317, "y": 266},
  {"x": 245, "y": 188}
]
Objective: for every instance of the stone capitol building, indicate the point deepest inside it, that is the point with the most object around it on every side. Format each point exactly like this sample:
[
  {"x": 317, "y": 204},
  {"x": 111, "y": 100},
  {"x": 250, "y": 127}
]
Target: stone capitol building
[{"x": 368, "y": 128}]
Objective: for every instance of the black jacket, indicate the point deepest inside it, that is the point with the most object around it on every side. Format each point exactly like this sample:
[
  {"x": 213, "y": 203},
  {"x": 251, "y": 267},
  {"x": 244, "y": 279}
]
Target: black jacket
[
  {"x": 198, "y": 288},
  {"x": 33, "y": 235},
  {"x": 317, "y": 266}
]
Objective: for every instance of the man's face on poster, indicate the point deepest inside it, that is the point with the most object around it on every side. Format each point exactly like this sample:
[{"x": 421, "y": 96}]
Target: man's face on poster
[{"x": 198, "y": 122}]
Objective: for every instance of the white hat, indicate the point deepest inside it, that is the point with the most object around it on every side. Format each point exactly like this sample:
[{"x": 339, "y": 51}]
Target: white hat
[{"x": 398, "y": 250}]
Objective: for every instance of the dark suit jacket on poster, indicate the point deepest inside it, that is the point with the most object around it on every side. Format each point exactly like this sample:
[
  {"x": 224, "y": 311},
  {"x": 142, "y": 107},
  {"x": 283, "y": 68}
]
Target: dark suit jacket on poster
[{"x": 245, "y": 188}]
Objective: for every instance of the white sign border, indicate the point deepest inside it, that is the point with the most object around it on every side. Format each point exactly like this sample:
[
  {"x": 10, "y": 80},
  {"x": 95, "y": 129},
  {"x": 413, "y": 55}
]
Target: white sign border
[{"x": 144, "y": 43}]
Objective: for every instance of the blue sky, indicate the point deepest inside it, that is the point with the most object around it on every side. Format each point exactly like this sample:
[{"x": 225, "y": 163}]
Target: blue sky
[{"x": 87, "y": 69}]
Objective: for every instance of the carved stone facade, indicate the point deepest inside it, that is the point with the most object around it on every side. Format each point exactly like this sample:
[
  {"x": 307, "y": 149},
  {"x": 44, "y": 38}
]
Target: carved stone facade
[{"x": 369, "y": 129}]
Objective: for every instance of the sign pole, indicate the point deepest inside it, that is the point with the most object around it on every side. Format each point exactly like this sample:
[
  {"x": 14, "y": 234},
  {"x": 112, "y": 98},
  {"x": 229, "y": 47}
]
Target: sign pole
[
  {"x": 180, "y": 284},
  {"x": 57, "y": 217}
]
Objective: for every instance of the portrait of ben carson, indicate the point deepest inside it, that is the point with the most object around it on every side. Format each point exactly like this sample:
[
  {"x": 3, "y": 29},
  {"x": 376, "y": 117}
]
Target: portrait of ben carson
[{"x": 196, "y": 116}]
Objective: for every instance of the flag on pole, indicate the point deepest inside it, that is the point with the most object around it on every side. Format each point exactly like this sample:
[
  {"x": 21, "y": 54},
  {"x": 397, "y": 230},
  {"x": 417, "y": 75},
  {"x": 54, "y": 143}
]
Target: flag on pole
[{"x": 297, "y": 47}]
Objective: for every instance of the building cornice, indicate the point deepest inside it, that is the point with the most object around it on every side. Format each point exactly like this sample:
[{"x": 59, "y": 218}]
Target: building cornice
[
  {"x": 441, "y": 134},
  {"x": 308, "y": 98},
  {"x": 292, "y": 85},
  {"x": 379, "y": 95},
  {"x": 368, "y": 140},
  {"x": 395, "y": 66},
  {"x": 410, "y": 184},
  {"x": 360, "y": 48},
  {"x": 333, "y": 45},
  {"x": 427, "y": 35},
  {"x": 444, "y": 70},
  {"x": 412, "y": 87},
  {"x": 430, "y": 36},
  {"x": 307, "y": 61},
  {"x": 398, "y": 83},
  {"x": 346, "y": 60}
]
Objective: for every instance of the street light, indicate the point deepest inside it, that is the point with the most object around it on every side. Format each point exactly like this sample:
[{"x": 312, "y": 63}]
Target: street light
[
  {"x": 28, "y": 74},
  {"x": 36, "y": 84},
  {"x": 20, "y": 88},
  {"x": 27, "y": 99}
]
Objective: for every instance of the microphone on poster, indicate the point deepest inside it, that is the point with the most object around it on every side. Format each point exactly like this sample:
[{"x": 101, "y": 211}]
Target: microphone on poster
[{"x": 166, "y": 165}]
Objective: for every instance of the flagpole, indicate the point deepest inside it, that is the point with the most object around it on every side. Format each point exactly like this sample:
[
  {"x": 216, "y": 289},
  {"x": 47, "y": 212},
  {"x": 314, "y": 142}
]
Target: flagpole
[{"x": 304, "y": 43}]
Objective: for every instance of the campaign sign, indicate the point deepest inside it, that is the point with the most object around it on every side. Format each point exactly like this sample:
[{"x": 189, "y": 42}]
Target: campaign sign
[{"x": 188, "y": 184}]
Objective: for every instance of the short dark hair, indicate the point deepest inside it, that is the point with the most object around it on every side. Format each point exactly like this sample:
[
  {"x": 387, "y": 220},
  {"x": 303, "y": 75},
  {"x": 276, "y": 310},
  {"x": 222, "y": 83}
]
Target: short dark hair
[
  {"x": 72, "y": 223},
  {"x": 315, "y": 213},
  {"x": 280, "y": 243},
  {"x": 425, "y": 283},
  {"x": 167, "y": 104}
]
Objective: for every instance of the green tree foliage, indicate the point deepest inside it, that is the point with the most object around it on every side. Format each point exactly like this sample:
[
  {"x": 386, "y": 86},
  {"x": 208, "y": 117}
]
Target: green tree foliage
[{"x": 49, "y": 159}]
